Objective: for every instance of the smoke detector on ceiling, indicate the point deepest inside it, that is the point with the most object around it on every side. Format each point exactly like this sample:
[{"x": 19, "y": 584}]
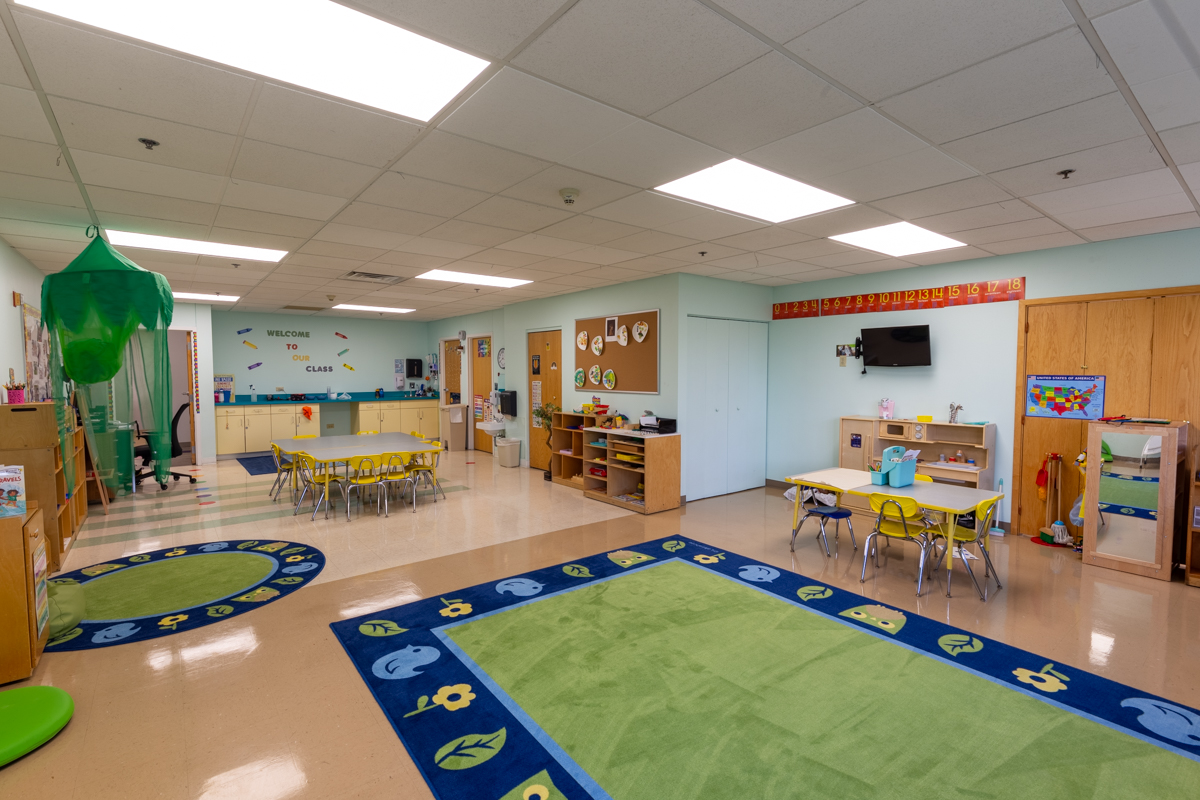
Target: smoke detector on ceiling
[{"x": 568, "y": 196}]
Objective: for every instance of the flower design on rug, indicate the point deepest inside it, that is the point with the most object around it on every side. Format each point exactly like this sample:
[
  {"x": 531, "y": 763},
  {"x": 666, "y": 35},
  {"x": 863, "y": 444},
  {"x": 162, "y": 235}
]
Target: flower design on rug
[
  {"x": 882, "y": 617},
  {"x": 455, "y": 608},
  {"x": 1047, "y": 680},
  {"x": 709, "y": 559},
  {"x": 460, "y": 692},
  {"x": 172, "y": 621}
]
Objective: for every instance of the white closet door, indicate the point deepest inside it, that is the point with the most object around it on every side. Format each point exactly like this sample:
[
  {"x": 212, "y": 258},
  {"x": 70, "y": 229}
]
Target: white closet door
[
  {"x": 747, "y": 454},
  {"x": 716, "y": 453},
  {"x": 698, "y": 408}
]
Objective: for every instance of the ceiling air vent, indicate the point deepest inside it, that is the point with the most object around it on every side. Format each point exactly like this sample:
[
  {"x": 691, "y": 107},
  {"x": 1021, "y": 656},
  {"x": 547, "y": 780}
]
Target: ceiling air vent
[
  {"x": 373, "y": 277},
  {"x": 304, "y": 308}
]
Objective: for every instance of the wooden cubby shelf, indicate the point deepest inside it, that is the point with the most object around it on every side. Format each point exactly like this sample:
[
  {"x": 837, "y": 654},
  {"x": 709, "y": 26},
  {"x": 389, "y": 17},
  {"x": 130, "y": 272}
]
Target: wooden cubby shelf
[{"x": 578, "y": 443}]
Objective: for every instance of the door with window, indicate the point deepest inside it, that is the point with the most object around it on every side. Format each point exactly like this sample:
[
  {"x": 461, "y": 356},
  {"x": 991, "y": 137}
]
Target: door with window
[
  {"x": 545, "y": 386},
  {"x": 481, "y": 388}
]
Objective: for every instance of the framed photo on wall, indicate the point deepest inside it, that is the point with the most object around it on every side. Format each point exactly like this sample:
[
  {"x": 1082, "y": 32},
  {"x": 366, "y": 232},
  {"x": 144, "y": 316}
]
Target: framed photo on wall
[{"x": 610, "y": 329}]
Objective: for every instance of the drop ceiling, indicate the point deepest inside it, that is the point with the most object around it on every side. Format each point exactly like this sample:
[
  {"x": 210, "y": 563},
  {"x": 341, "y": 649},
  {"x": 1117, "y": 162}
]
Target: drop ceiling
[{"x": 956, "y": 116}]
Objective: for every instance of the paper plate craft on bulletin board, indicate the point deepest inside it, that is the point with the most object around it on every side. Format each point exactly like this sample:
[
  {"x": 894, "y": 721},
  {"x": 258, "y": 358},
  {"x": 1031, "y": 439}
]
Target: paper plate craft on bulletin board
[
  {"x": 597, "y": 344},
  {"x": 580, "y": 377},
  {"x": 640, "y": 329},
  {"x": 581, "y": 340},
  {"x": 610, "y": 379},
  {"x": 623, "y": 335},
  {"x": 594, "y": 374}
]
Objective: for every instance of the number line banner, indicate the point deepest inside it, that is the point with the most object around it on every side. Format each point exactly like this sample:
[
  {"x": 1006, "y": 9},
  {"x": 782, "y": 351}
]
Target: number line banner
[{"x": 956, "y": 294}]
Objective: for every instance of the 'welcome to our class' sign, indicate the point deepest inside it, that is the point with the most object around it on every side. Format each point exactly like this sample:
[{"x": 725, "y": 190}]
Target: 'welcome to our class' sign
[{"x": 959, "y": 294}]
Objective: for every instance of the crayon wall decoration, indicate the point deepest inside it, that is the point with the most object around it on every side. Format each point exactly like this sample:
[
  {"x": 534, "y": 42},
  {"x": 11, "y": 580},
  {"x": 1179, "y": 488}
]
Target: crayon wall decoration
[
  {"x": 250, "y": 344},
  {"x": 255, "y": 366},
  {"x": 244, "y": 331},
  {"x": 347, "y": 366},
  {"x": 342, "y": 335},
  {"x": 347, "y": 350}
]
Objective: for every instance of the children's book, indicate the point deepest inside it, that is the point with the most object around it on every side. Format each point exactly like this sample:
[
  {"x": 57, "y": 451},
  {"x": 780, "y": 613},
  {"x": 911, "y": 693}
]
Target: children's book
[{"x": 12, "y": 491}]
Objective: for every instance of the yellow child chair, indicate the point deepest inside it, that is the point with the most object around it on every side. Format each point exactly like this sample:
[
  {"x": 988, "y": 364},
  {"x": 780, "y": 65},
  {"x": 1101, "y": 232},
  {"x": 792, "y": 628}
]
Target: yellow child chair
[
  {"x": 366, "y": 474},
  {"x": 285, "y": 468},
  {"x": 395, "y": 471},
  {"x": 305, "y": 436},
  {"x": 367, "y": 433},
  {"x": 428, "y": 471},
  {"x": 318, "y": 481},
  {"x": 978, "y": 535},
  {"x": 901, "y": 518}
]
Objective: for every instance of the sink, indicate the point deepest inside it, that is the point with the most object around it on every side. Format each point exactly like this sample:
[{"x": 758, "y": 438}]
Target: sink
[{"x": 493, "y": 428}]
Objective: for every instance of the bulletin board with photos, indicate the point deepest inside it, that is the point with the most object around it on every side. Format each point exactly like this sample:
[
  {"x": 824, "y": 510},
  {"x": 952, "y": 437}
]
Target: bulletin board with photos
[{"x": 617, "y": 353}]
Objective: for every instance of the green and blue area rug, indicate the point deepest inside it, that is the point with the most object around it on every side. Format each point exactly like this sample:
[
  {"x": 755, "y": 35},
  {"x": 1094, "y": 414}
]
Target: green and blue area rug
[{"x": 674, "y": 670}]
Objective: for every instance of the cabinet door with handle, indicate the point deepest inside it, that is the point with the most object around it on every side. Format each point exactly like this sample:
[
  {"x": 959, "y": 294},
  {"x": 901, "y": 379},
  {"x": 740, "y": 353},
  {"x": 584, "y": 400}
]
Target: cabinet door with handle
[{"x": 231, "y": 434}]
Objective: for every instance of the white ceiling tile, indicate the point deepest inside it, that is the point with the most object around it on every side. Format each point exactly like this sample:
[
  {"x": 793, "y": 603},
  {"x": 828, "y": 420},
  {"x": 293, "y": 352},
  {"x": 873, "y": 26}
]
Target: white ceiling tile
[
  {"x": 1191, "y": 174},
  {"x": 948, "y": 256},
  {"x": 1102, "y": 193},
  {"x": 12, "y": 71},
  {"x": 855, "y": 140},
  {"x": 367, "y": 237},
  {"x": 262, "y": 222},
  {"x": 645, "y": 155},
  {"x": 505, "y": 212},
  {"x": 598, "y": 254},
  {"x": 153, "y": 206},
  {"x": 765, "y": 238},
  {"x": 805, "y": 251},
  {"x": 1097, "y": 164},
  {"x": 751, "y": 261},
  {"x": 530, "y": 274},
  {"x": 978, "y": 217},
  {"x": 420, "y": 194},
  {"x": 1171, "y": 101},
  {"x": 521, "y": 113},
  {"x": 42, "y": 230},
  {"x": 82, "y": 65},
  {"x": 544, "y": 188},
  {"x": 706, "y": 270},
  {"x": 608, "y": 48},
  {"x": 438, "y": 247},
  {"x": 296, "y": 169},
  {"x": 650, "y": 264},
  {"x": 540, "y": 245},
  {"x": 111, "y": 220},
  {"x": 100, "y": 169},
  {"x": 1043, "y": 242},
  {"x": 32, "y": 158},
  {"x": 813, "y": 275},
  {"x": 334, "y": 267},
  {"x": 278, "y": 200},
  {"x": 847, "y": 259},
  {"x": 1140, "y": 38},
  {"x": 940, "y": 199},
  {"x": 45, "y": 245},
  {"x": 273, "y": 241},
  {"x": 711, "y": 224},
  {"x": 882, "y": 265},
  {"x": 458, "y": 230},
  {"x": 1094, "y": 8},
  {"x": 367, "y": 215},
  {"x": 1183, "y": 143},
  {"x": 650, "y": 242},
  {"x": 453, "y": 159},
  {"x": 915, "y": 41},
  {"x": 562, "y": 266},
  {"x": 40, "y": 190},
  {"x": 900, "y": 174},
  {"x": 1025, "y": 229},
  {"x": 769, "y": 281},
  {"x": 493, "y": 28},
  {"x": 43, "y": 212},
  {"x": 116, "y": 133},
  {"x": 768, "y": 99},
  {"x": 504, "y": 258},
  {"x": 614, "y": 274},
  {"x": 1047, "y": 74},
  {"x": 841, "y": 220},
  {"x": 1091, "y": 123},
  {"x": 647, "y": 210},
  {"x": 784, "y": 20},
  {"x": 315, "y": 124},
  {"x": 1127, "y": 211},
  {"x": 158, "y": 259},
  {"x": 413, "y": 261},
  {"x": 21, "y": 115},
  {"x": 691, "y": 253},
  {"x": 781, "y": 268},
  {"x": 1172, "y": 222}
]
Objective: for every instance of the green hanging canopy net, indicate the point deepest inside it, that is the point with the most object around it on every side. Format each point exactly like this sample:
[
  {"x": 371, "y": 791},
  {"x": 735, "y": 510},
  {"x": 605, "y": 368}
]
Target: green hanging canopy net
[{"x": 108, "y": 321}]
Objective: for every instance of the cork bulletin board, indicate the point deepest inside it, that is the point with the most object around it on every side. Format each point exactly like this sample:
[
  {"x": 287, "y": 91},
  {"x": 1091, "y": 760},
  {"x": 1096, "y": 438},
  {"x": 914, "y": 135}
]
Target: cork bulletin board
[{"x": 634, "y": 364}]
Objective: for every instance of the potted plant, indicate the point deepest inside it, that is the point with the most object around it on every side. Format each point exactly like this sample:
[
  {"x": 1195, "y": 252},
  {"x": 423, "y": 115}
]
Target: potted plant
[{"x": 545, "y": 415}]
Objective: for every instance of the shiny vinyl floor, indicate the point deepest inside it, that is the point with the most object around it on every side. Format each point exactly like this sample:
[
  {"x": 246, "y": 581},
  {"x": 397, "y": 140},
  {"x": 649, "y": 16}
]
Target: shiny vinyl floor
[{"x": 267, "y": 706}]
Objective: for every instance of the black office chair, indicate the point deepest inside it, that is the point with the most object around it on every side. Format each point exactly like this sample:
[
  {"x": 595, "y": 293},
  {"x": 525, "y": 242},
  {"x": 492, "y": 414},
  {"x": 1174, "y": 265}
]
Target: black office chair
[{"x": 144, "y": 452}]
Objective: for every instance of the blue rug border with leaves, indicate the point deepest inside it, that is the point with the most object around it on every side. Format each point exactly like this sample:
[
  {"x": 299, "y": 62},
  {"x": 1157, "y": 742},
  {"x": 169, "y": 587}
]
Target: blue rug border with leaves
[{"x": 427, "y": 730}]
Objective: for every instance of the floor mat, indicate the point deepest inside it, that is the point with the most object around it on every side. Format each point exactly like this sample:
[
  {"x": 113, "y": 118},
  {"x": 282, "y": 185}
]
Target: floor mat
[
  {"x": 672, "y": 670},
  {"x": 156, "y": 594},
  {"x": 258, "y": 465}
]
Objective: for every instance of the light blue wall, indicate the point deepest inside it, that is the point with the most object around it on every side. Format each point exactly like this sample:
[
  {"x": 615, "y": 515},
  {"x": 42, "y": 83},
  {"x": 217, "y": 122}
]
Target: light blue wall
[
  {"x": 374, "y": 346},
  {"x": 974, "y": 347},
  {"x": 17, "y": 274}
]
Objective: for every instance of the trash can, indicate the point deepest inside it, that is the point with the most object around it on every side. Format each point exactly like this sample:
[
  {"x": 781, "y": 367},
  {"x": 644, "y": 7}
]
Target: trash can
[{"x": 508, "y": 451}]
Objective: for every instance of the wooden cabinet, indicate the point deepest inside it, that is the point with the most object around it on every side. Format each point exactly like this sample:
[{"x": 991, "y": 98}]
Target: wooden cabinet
[
  {"x": 258, "y": 429},
  {"x": 306, "y": 426},
  {"x": 24, "y": 602},
  {"x": 365, "y": 417},
  {"x": 231, "y": 430},
  {"x": 283, "y": 422},
  {"x": 391, "y": 418}
]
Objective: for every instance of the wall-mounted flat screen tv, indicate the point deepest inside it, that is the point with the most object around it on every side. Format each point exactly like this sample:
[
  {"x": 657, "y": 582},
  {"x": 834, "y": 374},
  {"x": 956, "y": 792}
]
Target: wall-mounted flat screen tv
[{"x": 906, "y": 346}]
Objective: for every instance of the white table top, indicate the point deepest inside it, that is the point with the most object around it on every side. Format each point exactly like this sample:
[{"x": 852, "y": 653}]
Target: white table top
[
  {"x": 344, "y": 448},
  {"x": 930, "y": 495}
]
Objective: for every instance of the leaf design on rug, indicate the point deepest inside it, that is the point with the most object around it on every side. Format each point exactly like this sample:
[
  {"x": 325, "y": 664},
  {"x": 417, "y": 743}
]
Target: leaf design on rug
[
  {"x": 955, "y": 643},
  {"x": 674, "y": 546},
  {"x": 66, "y": 637},
  {"x": 470, "y": 750},
  {"x": 292, "y": 550},
  {"x": 577, "y": 571},
  {"x": 220, "y": 611},
  {"x": 250, "y": 543},
  {"x": 807, "y": 593},
  {"x": 1168, "y": 721},
  {"x": 288, "y": 581},
  {"x": 380, "y": 627}
]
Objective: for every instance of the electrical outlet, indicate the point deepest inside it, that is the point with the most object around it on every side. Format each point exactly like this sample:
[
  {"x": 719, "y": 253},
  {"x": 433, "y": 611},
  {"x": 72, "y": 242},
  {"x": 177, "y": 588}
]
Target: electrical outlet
[{"x": 329, "y": 425}]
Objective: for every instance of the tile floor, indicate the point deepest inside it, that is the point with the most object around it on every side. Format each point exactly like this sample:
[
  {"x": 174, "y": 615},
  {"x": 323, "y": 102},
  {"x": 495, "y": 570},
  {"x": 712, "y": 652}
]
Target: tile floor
[{"x": 267, "y": 706}]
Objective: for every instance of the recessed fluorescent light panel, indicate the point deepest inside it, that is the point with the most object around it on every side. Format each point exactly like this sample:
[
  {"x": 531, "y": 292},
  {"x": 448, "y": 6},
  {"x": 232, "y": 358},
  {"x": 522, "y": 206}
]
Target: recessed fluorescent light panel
[
  {"x": 206, "y": 298},
  {"x": 379, "y": 309},
  {"x": 316, "y": 44},
  {"x": 746, "y": 189},
  {"x": 898, "y": 239},
  {"x": 148, "y": 242},
  {"x": 469, "y": 277}
]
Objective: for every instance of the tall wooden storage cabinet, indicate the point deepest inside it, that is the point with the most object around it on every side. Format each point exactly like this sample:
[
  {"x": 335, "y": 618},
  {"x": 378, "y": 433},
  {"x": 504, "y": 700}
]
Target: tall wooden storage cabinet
[{"x": 24, "y": 602}]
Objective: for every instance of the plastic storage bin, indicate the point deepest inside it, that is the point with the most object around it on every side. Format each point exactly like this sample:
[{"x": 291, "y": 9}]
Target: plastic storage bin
[
  {"x": 508, "y": 451},
  {"x": 902, "y": 474}
]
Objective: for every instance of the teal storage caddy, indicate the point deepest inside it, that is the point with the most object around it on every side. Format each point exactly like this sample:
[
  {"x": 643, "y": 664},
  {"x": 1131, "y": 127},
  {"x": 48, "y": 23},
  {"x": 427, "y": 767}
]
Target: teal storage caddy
[{"x": 895, "y": 473}]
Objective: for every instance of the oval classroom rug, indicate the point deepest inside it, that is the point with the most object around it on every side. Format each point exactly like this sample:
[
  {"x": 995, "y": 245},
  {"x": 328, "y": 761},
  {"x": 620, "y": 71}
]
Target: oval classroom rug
[{"x": 148, "y": 595}]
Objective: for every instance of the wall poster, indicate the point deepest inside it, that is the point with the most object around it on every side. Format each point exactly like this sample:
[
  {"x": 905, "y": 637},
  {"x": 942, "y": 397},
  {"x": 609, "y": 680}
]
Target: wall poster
[
  {"x": 37, "y": 356},
  {"x": 1064, "y": 396}
]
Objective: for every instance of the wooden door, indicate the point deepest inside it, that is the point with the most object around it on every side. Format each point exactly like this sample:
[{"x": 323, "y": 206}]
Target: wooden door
[
  {"x": 481, "y": 385},
  {"x": 544, "y": 387},
  {"x": 1175, "y": 368},
  {"x": 1119, "y": 337},
  {"x": 1054, "y": 345},
  {"x": 191, "y": 373},
  {"x": 451, "y": 369}
]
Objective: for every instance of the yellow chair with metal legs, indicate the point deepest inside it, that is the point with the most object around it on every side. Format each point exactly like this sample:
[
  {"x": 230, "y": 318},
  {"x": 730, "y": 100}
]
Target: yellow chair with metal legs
[
  {"x": 285, "y": 468},
  {"x": 367, "y": 433},
  {"x": 899, "y": 517},
  {"x": 305, "y": 436},
  {"x": 317, "y": 476},
  {"x": 978, "y": 535},
  {"x": 366, "y": 474},
  {"x": 394, "y": 471},
  {"x": 428, "y": 471}
]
